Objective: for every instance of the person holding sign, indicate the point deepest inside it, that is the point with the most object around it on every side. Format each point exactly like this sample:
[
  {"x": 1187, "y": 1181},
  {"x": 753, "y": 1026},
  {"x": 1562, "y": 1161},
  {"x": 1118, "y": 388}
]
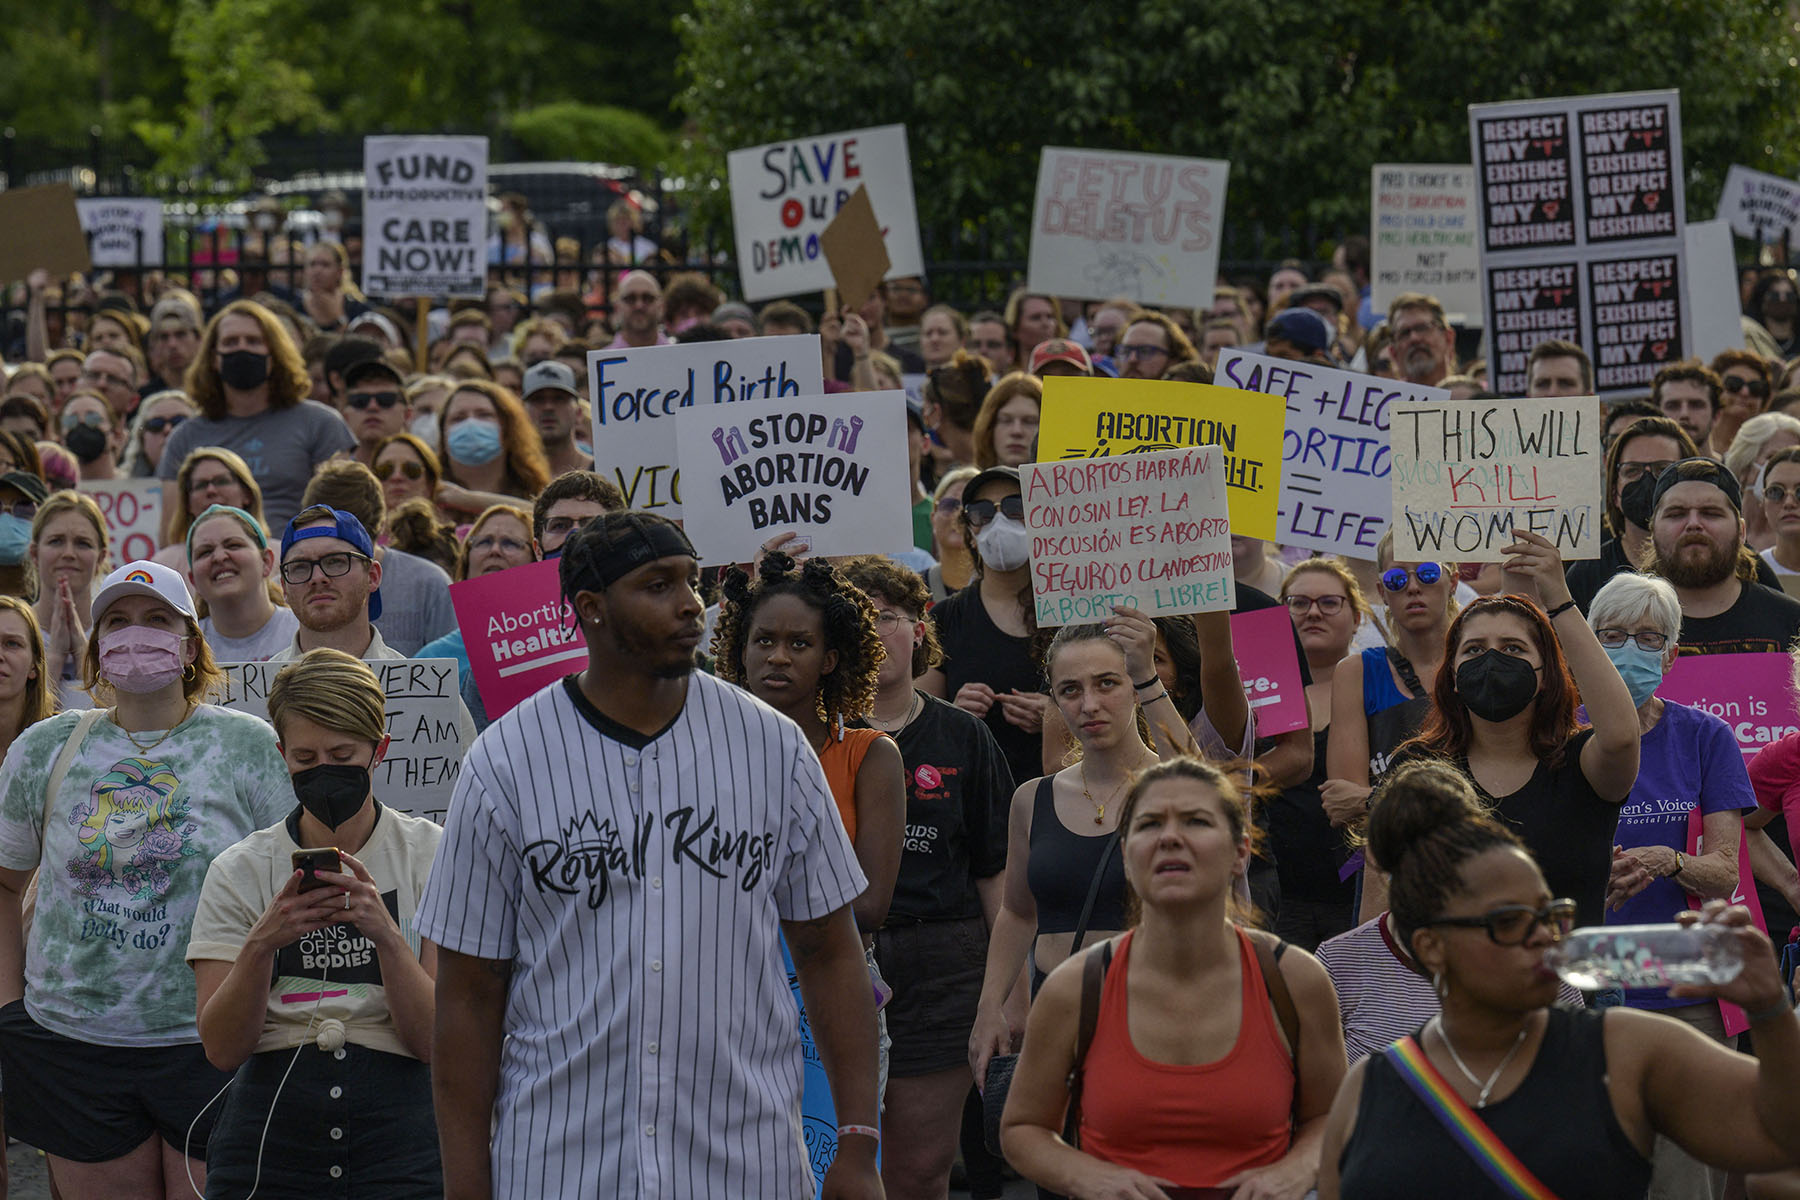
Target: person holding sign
[
  {"x": 310, "y": 981},
  {"x": 119, "y": 810},
  {"x": 1503, "y": 1093},
  {"x": 1503, "y": 711},
  {"x": 231, "y": 569}
]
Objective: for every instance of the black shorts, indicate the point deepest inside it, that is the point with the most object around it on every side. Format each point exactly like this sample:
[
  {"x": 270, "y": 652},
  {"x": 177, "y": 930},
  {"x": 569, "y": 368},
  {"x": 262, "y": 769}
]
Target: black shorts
[
  {"x": 348, "y": 1123},
  {"x": 935, "y": 969},
  {"x": 89, "y": 1103}
]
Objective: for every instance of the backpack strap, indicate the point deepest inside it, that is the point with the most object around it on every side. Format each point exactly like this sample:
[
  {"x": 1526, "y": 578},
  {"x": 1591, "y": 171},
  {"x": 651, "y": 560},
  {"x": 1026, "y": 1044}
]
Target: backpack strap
[
  {"x": 1093, "y": 983},
  {"x": 1269, "y": 950}
]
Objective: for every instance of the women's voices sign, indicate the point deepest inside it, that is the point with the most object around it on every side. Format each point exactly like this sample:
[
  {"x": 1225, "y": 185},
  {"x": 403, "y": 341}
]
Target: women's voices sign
[
  {"x": 1146, "y": 531},
  {"x": 1467, "y": 474}
]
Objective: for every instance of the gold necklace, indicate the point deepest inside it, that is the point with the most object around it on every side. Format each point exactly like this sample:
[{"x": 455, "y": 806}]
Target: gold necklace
[
  {"x": 143, "y": 749},
  {"x": 1099, "y": 809}
]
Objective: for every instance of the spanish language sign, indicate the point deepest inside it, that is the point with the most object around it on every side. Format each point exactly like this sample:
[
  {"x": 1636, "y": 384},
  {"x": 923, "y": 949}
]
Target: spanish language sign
[
  {"x": 1335, "y": 494},
  {"x": 636, "y": 394},
  {"x": 424, "y": 711},
  {"x": 1762, "y": 207},
  {"x": 784, "y": 194},
  {"x": 122, "y": 232},
  {"x": 1465, "y": 475},
  {"x": 133, "y": 512},
  {"x": 1580, "y": 201},
  {"x": 1109, "y": 224},
  {"x": 832, "y": 469},
  {"x": 518, "y": 634},
  {"x": 1094, "y": 418},
  {"x": 425, "y": 216},
  {"x": 1145, "y": 531},
  {"x": 1423, "y": 236}
]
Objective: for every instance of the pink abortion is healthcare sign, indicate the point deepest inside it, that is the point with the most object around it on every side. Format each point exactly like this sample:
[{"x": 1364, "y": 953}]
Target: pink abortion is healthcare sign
[{"x": 518, "y": 634}]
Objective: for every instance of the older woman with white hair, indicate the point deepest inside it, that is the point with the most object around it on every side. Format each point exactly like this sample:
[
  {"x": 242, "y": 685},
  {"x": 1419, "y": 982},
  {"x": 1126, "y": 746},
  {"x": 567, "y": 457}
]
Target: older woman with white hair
[
  {"x": 1759, "y": 440},
  {"x": 1681, "y": 829}
]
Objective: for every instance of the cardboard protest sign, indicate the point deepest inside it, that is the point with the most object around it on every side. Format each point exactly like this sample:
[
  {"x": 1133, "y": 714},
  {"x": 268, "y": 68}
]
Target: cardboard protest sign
[
  {"x": 1424, "y": 236},
  {"x": 854, "y": 249},
  {"x": 425, "y": 216},
  {"x": 1749, "y": 692},
  {"x": 43, "y": 229},
  {"x": 1466, "y": 474},
  {"x": 1581, "y": 210},
  {"x": 636, "y": 392},
  {"x": 1712, "y": 289},
  {"x": 133, "y": 512},
  {"x": 784, "y": 194},
  {"x": 1335, "y": 493},
  {"x": 518, "y": 635},
  {"x": 425, "y": 754},
  {"x": 1759, "y": 206},
  {"x": 1093, "y": 418},
  {"x": 122, "y": 232},
  {"x": 831, "y": 468},
  {"x": 1144, "y": 531},
  {"x": 1108, "y": 224},
  {"x": 1263, "y": 641}
]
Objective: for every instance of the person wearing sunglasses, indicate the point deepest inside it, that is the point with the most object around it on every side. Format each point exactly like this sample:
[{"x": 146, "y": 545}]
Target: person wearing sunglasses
[
  {"x": 1746, "y": 382},
  {"x": 1379, "y": 697},
  {"x": 955, "y": 567},
  {"x": 408, "y": 470},
  {"x": 1772, "y": 305},
  {"x": 157, "y": 418},
  {"x": 1757, "y": 441},
  {"x": 375, "y": 406},
  {"x": 1577, "y": 1097},
  {"x": 1778, "y": 497},
  {"x": 1641, "y": 452}
]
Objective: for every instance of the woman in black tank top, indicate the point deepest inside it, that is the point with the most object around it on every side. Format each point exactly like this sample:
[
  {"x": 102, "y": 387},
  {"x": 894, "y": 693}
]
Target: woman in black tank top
[{"x": 1575, "y": 1097}]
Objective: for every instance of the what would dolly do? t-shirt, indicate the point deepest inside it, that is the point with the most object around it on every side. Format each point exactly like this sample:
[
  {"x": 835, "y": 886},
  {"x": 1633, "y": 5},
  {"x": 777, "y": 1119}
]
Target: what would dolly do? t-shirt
[{"x": 124, "y": 854}]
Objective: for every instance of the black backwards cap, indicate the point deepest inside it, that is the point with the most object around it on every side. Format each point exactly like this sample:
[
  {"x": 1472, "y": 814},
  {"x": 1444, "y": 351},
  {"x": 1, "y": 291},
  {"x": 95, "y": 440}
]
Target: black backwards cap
[
  {"x": 613, "y": 545},
  {"x": 1698, "y": 470}
]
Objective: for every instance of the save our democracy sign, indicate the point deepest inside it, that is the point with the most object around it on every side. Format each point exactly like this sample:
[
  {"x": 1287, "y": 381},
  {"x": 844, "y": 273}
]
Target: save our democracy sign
[
  {"x": 1466, "y": 474},
  {"x": 636, "y": 393},
  {"x": 1146, "y": 531},
  {"x": 425, "y": 216},
  {"x": 1424, "y": 236},
  {"x": 832, "y": 469},
  {"x": 1097, "y": 418},
  {"x": 1581, "y": 206},
  {"x": 122, "y": 232},
  {"x": 1335, "y": 497},
  {"x": 784, "y": 194},
  {"x": 1108, "y": 224}
]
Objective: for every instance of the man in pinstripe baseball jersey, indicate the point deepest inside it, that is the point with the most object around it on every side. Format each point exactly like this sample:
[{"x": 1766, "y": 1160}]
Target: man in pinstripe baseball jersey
[{"x": 622, "y": 854}]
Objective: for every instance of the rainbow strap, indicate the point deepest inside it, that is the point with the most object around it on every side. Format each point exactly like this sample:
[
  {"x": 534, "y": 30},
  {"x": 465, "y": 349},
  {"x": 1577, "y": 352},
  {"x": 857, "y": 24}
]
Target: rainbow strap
[{"x": 1470, "y": 1132}]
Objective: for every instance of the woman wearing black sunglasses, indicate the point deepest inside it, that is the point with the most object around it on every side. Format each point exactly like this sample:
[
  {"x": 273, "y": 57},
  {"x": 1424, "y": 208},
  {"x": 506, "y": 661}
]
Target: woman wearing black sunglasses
[
  {"x": 1500, "y": 1087},
  {"x": 156, "y": 419}
]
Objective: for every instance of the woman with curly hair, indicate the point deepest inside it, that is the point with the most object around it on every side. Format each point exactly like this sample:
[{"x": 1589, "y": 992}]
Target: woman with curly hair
[{"x": 804, "y": 642}]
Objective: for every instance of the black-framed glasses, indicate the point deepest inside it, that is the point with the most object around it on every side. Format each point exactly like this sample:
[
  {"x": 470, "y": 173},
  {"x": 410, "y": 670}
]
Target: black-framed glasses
[
  {"x": 1631, "y": 472},
  {"x": 1395, "y": 579},
  {"x": 980, "y": 512},
  {"x": 1756, "y": 387},
  {"x": 1513, "y": 924},
  {"x": 411, "y": 468},
  {"x": 362, "y": 400},
  {"x": 1331, "y": 606},
  {"x": 211, "y": 483},
  {"x": 1405, "y": 332},
  {"x": 1647, "y": 639},
  {"x": 297, "y": 571},
  {"x": 1139, "y": 353},
  {"x": 159, "y": 424}
]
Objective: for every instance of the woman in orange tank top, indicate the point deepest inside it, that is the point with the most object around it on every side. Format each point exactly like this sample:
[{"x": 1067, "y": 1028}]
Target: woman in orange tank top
[{"x": 1190, "y": 1082}]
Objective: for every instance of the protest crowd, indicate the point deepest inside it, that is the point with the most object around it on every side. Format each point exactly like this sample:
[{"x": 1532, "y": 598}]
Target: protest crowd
[{"x": 397, "y": 803}]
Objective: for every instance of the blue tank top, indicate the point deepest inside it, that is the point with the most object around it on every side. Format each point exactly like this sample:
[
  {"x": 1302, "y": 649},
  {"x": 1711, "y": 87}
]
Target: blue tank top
[{"x": 1379, "y": 689}]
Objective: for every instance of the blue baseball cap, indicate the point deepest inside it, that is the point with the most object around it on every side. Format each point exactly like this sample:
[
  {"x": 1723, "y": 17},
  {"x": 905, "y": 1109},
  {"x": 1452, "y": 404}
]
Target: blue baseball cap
[{"x": 345, "y": 527}]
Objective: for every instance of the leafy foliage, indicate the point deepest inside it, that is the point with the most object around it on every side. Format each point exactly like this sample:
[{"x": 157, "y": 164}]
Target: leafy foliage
[{"x": 579, "y": 132}]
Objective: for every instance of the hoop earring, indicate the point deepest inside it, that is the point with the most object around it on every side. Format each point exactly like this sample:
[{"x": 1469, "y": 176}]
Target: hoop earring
[{"x": 188, "y": 672}]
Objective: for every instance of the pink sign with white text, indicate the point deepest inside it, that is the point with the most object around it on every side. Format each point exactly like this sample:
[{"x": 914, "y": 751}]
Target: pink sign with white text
[
  {"x": 517, "y": 633},
  {"x": 1749, "y": 692},
  {"x": 1270, "y": 667}
]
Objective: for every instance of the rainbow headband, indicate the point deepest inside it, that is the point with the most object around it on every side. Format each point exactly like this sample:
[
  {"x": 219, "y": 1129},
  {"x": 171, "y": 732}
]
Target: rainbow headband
[{"x": 1491, "y": 1154}]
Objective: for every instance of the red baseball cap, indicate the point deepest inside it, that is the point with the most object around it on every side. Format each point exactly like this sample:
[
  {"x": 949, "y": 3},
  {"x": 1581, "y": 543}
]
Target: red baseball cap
[{"x": 1061, "y": 350}]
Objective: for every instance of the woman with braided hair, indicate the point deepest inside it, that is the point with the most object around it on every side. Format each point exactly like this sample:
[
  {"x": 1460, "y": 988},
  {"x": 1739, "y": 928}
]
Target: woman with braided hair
[{"x": 1502, "y": 1094}]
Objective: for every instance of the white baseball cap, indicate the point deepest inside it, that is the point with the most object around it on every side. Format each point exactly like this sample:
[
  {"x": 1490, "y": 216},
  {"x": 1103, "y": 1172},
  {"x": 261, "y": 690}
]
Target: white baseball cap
[{"x": 144, "y": 578}]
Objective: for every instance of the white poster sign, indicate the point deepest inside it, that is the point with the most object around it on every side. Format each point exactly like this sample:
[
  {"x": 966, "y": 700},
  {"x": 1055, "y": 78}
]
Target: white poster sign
[
  {"x": 832, "y": 469},
  {"x": 636, "y": 393},
  {"x": 425, "y": 216},
  {"x": 1146, "y": 226},
  {"x": 1712, "y": 289},
  {"x": 114, "y": 226},
  {"x": 133, "y": 512},
  {"x": 1762, "y": 207},
  {"x": 1424, "y": 236},
  {"x": 784, "y": 194}
]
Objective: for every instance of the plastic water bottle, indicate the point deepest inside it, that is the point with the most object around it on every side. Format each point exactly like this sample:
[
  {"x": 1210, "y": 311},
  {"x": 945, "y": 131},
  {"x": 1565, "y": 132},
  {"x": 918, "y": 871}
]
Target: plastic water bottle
[{"x": 1635, "y": 956}]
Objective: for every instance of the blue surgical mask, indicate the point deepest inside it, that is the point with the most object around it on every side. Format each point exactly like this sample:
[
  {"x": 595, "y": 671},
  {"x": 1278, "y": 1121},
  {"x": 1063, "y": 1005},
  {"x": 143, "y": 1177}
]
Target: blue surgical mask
[
  {"x": 1642, "y": 670},
  {"x": 474, "y": 443},
  {"x": 15, "y": 539},
  {"x": 583, "y": 449}
]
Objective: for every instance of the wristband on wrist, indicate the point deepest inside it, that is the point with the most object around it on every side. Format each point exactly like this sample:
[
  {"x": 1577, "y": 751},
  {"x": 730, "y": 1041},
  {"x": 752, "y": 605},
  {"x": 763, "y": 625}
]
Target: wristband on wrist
[
  {"x": 865, "y": 1130},
  {"x": 1560, "y": 609},
  {"x": 1778, "y": 1009},
  {"x": 1148, "y": 683},
  {"x": 1147, "y": 701}
]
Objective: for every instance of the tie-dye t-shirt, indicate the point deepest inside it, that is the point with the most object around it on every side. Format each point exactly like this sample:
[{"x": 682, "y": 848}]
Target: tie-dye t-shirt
[{"x": 130, "y": 836}]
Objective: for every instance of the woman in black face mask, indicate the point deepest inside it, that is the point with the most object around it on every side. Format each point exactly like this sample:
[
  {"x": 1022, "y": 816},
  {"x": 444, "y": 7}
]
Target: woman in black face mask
[
  {"x": 1503, "y": 710},
  {"x": 310, "y": 981}
]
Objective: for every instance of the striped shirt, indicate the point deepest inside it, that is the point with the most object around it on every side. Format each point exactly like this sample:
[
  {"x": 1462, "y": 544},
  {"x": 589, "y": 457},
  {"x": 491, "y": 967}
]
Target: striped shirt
[{"x": 637, "y": 884}]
